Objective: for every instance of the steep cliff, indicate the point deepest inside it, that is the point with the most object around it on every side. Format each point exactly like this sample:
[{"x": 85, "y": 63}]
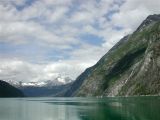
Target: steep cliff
[{"x": 131, "y": 67}]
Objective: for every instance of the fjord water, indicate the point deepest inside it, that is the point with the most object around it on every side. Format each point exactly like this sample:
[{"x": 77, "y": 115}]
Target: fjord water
[{"x": 116, "y": 108}]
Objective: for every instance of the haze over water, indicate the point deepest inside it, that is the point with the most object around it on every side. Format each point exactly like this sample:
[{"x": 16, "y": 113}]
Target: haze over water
[{"x": 132, "y": 108}]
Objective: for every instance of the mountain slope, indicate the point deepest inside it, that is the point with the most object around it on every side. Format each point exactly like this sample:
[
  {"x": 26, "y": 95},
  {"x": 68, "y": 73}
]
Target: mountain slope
[
  {"x": 6, "y": 90},
  {"x": 131, "y": 67}
]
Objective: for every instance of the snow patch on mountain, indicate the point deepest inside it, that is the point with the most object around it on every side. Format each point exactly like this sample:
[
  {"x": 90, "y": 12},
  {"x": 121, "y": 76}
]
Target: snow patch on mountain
[{"x": 60, "y": 80}]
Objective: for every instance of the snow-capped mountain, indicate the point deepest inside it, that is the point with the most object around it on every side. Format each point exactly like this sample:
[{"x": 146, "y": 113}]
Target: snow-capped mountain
[
  {"x": 54, "y": 87},
  {"x": 60, "y": 80}
]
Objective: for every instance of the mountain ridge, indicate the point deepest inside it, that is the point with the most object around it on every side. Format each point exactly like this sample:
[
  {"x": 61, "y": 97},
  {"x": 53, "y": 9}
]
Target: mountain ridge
[
  {"x": 119, "y": 72},
  {"x": 7, "y": 90}
]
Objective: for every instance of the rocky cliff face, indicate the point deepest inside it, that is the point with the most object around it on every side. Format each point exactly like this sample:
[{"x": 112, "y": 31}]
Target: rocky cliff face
[{"x": 131, "y": 67}]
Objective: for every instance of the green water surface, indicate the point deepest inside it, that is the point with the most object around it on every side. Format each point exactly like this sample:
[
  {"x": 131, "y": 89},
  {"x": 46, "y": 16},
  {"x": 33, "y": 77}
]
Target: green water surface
[{"x": 116, "y": 108}]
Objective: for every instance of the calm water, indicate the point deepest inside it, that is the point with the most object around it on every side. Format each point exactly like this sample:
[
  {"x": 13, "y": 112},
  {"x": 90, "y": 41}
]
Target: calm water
[{"x": 132, "y": 108}]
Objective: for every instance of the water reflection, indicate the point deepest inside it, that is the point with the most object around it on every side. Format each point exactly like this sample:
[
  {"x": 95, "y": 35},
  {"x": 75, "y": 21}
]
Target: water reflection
[
  {"x": 145, "y": 108},
  {"x": 135, "y": 108}
]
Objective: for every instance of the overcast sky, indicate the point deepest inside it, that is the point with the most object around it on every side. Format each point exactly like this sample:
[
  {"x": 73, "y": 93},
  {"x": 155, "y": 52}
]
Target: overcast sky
[{"x": 40, "y": 39}]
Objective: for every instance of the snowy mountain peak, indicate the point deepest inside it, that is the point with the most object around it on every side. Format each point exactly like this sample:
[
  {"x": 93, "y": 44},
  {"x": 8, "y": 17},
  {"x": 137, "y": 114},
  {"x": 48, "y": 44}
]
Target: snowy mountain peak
[{"x": 60, "y": 80}]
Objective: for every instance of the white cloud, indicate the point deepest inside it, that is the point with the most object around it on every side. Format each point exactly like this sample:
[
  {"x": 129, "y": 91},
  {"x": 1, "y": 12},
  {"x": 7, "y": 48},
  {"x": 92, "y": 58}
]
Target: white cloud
[
  {"x": 58, "y": 25},
  {"x": 18, "y": 70},
  {"x": 133, "y": 12}
]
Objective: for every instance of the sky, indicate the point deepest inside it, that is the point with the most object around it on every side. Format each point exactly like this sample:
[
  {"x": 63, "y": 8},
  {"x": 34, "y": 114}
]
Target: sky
[{"x": 42, "y": 39}]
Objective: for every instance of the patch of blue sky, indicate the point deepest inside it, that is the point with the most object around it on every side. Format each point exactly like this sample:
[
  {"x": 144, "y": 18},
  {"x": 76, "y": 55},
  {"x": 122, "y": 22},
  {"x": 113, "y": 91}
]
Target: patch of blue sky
[
  {"x": 119, "y": 2},
  {"x": 118, "y": 28},
  {"x": 92, "y": 39},
  {"x": 26, "y": 4},
  {"x": 34, "y": 52},
  {"x": 30, "y": 51},
  {"x": 56, "y": 55},
  {"x": 6, "y": 47},
  {"x": 110, "y": 14}
]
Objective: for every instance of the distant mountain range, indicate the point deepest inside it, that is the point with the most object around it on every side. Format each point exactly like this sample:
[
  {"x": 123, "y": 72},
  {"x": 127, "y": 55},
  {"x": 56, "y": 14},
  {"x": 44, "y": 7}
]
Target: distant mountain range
[
  {"x": 7, "y": 90},
  {"x": 60, "y": 80},
  {"x": 43, "y": 88},
  {"x": 44, "y": 91},
  {"x": 131, "y": 67}
]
